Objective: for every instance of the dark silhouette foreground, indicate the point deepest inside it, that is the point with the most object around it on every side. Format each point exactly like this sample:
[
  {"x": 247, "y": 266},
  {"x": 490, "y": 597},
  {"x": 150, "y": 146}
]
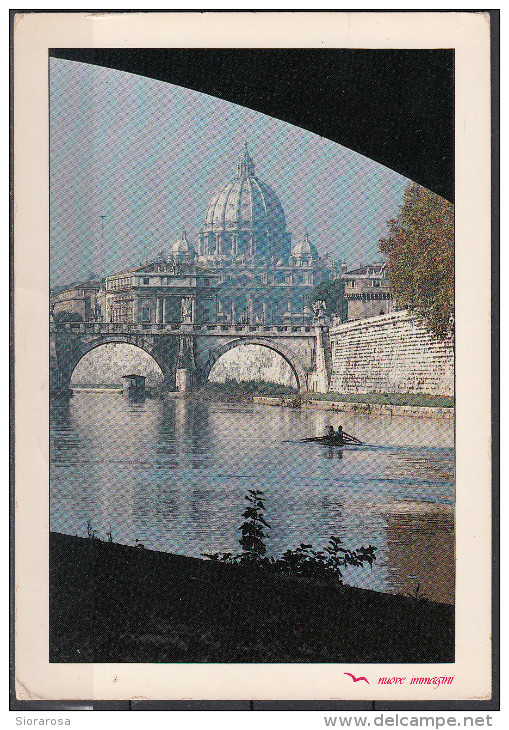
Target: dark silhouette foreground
[{"x": 113, "y": 603}]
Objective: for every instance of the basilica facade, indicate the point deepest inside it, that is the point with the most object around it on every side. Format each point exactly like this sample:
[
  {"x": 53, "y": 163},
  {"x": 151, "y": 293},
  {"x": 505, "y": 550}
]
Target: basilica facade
[{"x": 245, "y": 269}]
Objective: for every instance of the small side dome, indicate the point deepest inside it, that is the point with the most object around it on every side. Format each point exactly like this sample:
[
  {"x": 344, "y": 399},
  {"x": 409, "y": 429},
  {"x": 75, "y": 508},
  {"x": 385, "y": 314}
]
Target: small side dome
[
  {"x": 182, "y": 250},
  {"x": 305, "y": 249}
]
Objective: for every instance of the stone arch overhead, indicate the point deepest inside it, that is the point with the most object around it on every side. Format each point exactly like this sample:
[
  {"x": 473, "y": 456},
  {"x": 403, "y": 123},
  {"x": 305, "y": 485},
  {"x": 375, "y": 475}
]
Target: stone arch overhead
[
  {"x": 300, "y": 372},
  {"x": 86, "y": 347}
]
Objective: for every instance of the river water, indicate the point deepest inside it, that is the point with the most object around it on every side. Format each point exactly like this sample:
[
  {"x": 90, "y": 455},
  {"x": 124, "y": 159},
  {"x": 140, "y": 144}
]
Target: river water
[{"x": 173, "y": 473}]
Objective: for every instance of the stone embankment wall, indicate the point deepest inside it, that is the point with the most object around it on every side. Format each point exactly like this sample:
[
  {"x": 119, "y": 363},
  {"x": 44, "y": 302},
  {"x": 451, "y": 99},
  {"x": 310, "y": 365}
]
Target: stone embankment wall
[
  {"x": 378, "y": 409},
  {"x": 393, "y": 353}
]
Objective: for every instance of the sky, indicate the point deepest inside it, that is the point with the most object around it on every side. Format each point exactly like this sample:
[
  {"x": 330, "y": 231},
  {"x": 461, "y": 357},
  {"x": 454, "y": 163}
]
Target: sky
[{"x": 133, "y": 161}]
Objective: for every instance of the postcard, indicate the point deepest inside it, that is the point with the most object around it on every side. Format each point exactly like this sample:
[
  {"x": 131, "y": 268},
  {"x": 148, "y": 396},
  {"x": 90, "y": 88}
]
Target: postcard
[{"x": 252, "y": 395}]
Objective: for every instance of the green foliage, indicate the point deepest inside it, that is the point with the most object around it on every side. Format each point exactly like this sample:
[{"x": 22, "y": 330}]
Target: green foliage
[
  {"x": 248, "y": 387},
  {"x": 318, "y": 565},
  {"x": 92, "y": 534},
  {"x": 253, "y": 537},
  {"x": 420, "y": 251},
  {"x": 67, "y": 317},
  {"x": 333, "y": 294},
  {"x": 393, "y": 399}
]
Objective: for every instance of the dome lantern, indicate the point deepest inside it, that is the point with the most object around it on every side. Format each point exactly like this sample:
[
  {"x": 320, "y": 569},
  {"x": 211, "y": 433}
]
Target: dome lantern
[{"x": 245, "y": 166}]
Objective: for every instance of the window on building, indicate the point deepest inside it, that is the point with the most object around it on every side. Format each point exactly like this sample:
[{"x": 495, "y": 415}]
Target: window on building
[
  {"x": 145, "y": 314},
  {"x": 145, "y": 281}
]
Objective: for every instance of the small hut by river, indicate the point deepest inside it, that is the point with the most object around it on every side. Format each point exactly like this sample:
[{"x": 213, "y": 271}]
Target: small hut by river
[{"x": 133, "y": 384}]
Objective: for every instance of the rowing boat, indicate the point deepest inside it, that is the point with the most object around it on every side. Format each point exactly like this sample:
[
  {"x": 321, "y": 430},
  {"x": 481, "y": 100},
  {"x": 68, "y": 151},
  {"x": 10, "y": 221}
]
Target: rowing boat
[{"x": 343, "y": 440}]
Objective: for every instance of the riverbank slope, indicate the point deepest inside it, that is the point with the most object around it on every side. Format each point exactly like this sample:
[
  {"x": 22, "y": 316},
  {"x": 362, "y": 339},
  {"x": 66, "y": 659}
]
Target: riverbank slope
[
  {"x": 273, "y": 394},
  {"x": 115, "y": 603},
  {"x": 372, "y": 409}
]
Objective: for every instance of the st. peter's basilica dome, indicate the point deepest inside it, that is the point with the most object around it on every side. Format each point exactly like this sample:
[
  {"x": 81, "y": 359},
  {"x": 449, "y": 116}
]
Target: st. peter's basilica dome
[{"x": 244, "y": 219}]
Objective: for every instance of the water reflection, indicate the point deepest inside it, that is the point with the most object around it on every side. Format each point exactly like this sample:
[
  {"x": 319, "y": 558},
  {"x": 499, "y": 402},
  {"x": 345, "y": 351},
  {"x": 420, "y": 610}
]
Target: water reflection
[
  {"x": 421, "y": 552},
  {"x": 333, "y": 452},
  {"x": 173, "y": 473}
]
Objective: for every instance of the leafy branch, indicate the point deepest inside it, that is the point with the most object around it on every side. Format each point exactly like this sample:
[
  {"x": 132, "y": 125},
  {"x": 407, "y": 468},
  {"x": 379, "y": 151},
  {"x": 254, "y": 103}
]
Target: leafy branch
[{"x": 303, "y": 561}]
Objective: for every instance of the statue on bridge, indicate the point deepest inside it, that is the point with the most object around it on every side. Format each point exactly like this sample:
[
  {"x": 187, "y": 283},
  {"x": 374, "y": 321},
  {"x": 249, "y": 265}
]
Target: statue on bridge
[
  {"x": 187, "y": 309},
  {"x": 319, "y": 308}
]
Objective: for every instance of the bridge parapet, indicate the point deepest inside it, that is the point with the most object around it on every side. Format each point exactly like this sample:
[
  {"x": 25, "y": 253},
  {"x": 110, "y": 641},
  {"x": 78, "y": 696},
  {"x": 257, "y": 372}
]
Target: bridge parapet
[
  {"x": 266, "y": 330},
  {"x": 102, "y": 328}
]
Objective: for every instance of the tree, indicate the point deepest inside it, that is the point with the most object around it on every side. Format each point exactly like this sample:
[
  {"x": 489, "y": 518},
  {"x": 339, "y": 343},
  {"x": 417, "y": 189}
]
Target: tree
[
  {"x": 64, "y": 316},
  {"x": 420, "y": 251},
  {"x": 333, "y": 294}
]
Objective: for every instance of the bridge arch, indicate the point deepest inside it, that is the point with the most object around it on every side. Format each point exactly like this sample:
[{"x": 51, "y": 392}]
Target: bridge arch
[
  {"x": 298, "y": 369},
  {"x": 86, "y": 347}
]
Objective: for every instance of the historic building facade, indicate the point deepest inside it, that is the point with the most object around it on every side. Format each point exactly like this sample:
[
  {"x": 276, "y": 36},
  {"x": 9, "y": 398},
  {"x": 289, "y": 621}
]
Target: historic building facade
[
  {"x": 367, "y": 292},
  {"x": 82, "y": 300},
  {"x": 162, "y": 292}
]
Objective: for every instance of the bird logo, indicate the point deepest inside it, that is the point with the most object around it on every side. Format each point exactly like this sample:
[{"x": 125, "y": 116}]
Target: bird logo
[{"x": 356, "y": 679}]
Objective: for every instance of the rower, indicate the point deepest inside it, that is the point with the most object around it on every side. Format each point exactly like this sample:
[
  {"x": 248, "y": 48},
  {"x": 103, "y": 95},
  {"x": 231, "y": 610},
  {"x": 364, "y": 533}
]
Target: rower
[
  {"x": 330, "y": 431},
  {"x": 340, "y": 433}
]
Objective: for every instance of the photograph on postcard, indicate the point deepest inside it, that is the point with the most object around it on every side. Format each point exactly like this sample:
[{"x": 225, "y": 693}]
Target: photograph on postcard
[{"x": 252, "y": 386}]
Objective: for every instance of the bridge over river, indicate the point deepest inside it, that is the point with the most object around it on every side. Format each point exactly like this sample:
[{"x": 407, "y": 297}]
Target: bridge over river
[{"x": 186, "y": 353}]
